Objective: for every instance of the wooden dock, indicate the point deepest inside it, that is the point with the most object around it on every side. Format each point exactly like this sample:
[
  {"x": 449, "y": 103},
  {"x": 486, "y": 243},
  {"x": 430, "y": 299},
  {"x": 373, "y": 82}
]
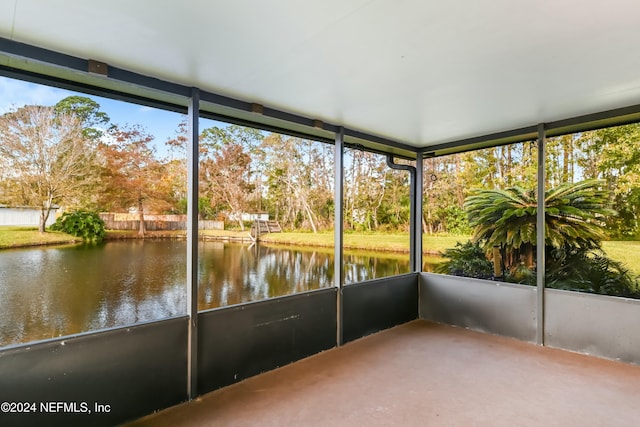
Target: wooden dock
[
  {"x": 260, "y": 227},
  {"x": 236, "y": 239}
]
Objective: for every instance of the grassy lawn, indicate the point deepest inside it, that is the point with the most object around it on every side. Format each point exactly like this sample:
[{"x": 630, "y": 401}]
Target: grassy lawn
[
  {"x": 626, "y": 252},
  {"x": 11, "y": 237},
  {"x": 437, "y": 244},
  {"x": 395, "y": 242},
  {"x": 388, "y": 242},
  {"x": 392, "y": 242}
]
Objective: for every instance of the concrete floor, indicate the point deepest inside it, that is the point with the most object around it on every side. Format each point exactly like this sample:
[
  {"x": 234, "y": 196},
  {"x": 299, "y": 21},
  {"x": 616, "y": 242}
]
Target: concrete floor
[{"x": 424, "y": 374}]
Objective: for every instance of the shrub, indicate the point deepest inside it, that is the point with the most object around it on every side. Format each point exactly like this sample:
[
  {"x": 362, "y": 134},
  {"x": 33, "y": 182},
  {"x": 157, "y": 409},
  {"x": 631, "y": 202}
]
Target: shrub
[
  {"x": 85, "y": 224},
  {"x": 455, "y": 220},
  {"x": 467, "y": 260},
  {"x": 593, "y": 273},
  {"x": 521, "y": 274}
]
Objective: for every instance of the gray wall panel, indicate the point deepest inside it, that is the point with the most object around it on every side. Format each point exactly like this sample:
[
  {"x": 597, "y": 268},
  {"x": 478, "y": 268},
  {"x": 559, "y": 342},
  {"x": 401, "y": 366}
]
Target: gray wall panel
[
  {"x": 379, "y": 304},
  {"x": 482, "y": 305},
  {"x": 135, "y": 370},
  {"x": 593, "y": 324},
  {"x": 241, "y": 341}
]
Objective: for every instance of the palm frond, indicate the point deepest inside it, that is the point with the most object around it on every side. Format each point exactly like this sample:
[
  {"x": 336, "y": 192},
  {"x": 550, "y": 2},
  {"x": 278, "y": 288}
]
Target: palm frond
[{"x": 574, "y": 216}]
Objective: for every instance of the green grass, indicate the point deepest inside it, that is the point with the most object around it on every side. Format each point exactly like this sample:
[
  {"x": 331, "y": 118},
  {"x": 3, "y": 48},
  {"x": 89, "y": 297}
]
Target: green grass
[
  {"x": 12, "y": 237},
  {"x": 387, "y": 242},
  {"x": 391, "y": 242},
  {"x": 394, "y": 242},
  {"x": 627, "y": 252},
  {"x": 437, "y": 244}
]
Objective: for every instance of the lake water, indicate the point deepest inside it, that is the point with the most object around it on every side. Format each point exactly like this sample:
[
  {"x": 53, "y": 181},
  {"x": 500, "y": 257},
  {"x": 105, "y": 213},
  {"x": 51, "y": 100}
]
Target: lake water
[{"x": 48, "y": 292}]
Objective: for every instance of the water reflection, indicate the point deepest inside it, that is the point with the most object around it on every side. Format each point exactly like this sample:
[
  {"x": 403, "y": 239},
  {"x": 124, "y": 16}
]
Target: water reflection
[
  {"x": 51, "y": 292},
  {"x": 259, "y": 272}
]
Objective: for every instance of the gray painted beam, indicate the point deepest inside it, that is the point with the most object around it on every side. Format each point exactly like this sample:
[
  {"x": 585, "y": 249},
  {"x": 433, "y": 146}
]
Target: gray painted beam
[
  {"x": 540, "y": 235},
  {"x": 192, "y": 241},
  {"x": 417, "y": 226},
  {"x": 412, "y": 209},
  {"x": 338, "y": 156}
]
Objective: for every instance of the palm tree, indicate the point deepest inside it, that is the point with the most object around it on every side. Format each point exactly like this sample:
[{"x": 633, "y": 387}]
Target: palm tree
[{"x": 574, "y": 215}]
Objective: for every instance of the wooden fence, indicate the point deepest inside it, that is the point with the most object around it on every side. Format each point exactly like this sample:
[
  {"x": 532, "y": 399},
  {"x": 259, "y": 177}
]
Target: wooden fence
[{"x": 119, "y": 221}]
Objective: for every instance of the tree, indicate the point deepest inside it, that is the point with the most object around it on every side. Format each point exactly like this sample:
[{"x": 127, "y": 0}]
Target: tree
[
  {"x": 394, "y": 212},
  {"x": 175, "y": 181},
  {"x": 444, "y": 189},
  {"x": 227, "y": 178},
  {"x": 448, "y": 180},
  {"x": 133, "y": 176},
  {"x": 365, "y": 188},
  {"x": 612, "y": 154},
  {"x": 574, "y": 215},
  {"x": 215, "y": 137},
  {"x": 87, "y": 111},
  {"x": 224, "y": 179},
  {"x": 45, "y": 159},
  {"x": 299, "y": 179}
]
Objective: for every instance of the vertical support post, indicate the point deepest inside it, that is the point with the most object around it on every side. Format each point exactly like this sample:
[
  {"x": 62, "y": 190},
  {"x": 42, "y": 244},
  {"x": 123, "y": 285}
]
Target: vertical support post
[
  {"x": 192, "y": 242},
  {"x": 412, "y": 219},
  {"x": 413, "y": 202},
  {"x": 338, "y": 194},
  {"x": 540, "y": 235},
  {"x": 417, "y": 226}
]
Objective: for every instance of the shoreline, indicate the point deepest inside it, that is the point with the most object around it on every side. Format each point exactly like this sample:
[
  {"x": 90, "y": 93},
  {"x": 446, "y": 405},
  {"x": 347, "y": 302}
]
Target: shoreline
[{"x": 282, "y": 239}]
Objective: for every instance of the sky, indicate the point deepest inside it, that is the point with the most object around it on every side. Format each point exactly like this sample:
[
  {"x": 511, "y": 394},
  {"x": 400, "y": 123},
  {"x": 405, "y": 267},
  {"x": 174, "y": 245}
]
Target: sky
[{"x": 159, "y": 123}]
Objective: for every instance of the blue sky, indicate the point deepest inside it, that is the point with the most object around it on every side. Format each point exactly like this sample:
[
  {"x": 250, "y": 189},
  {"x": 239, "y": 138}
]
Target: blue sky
[{"x": 159, "y": 123}]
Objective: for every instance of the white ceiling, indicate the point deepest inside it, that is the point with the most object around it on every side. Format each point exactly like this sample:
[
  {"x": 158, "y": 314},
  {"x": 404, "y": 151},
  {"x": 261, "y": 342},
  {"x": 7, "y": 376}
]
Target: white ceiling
[{"x": 419, "y": 72}]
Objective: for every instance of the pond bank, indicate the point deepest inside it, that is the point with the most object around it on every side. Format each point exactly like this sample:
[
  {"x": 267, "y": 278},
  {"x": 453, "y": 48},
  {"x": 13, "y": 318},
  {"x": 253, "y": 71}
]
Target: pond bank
[
  {"x": 216, "y": 235},
  {"x": 20, "y": 237},
  {"x": 384, "y": 242},
  {"x": 376, "y": 242}
]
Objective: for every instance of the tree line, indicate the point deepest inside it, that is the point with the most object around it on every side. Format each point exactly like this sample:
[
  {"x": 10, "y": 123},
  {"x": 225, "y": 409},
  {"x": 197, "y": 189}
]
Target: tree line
[
  {"x": 72, "y": 155},
  {"x": 610, "y": 155}
]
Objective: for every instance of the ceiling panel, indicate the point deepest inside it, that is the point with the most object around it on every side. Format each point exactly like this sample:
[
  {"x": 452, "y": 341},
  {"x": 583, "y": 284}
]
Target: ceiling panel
[{"x": 419, "y": 72}]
